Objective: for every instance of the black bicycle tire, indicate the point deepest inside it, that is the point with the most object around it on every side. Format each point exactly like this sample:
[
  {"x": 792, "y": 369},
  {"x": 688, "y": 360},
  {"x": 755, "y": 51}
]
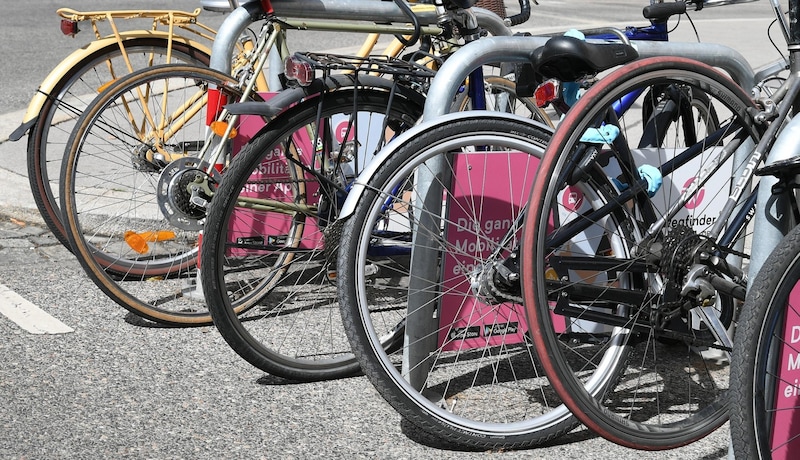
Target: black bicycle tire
[
  {"x": 766, "y": 304},
  {"x": 41, "y": 185},
  {"x": 227, "y": 320},
  {"x": 591, "y": 412},
  {"x": 376, "y": 364}
]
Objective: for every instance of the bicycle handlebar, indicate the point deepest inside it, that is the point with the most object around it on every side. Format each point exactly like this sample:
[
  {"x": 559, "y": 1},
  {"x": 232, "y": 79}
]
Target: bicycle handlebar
[
  {"x": 659, "y": 12},
  {"x": 524, "y": 13}
]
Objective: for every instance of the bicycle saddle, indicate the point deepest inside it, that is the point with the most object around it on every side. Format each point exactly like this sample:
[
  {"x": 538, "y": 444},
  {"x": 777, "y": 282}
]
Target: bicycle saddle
[{"x": 569, "y": 59}]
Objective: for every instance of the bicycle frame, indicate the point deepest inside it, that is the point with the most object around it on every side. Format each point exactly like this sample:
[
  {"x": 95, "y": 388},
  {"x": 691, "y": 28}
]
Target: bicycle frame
[
  {"x": 770, "y": 225},
  {"x": 776, "y": 215}
]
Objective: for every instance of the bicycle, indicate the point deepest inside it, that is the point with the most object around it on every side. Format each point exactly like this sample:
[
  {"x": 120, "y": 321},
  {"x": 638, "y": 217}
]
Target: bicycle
[
  {"x": 174, "y": 36},
  {"x": 763, "y": 364},
  {"x": 632, "y": 246},
  {"x": 459, "y": 299},
  {"x": 167, "y": 136},
  {"x": 271, "y": 235}
]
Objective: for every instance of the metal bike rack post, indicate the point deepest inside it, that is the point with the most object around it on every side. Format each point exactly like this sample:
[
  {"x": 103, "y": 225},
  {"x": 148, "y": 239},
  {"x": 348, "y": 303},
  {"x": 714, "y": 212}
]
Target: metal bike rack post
[
  {"x": 362, "y": 10},
  {"x": 445, "y": 85},
  {"x": 518, "y": 49}
]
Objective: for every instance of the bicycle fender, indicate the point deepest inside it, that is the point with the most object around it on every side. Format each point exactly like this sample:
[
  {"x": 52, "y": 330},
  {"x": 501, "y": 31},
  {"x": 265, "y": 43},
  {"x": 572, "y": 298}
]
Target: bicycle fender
[
  {"x": 360, "y": 184},
  {"x": 55, "y": 75},
  {"x": 288, "y": 97}
]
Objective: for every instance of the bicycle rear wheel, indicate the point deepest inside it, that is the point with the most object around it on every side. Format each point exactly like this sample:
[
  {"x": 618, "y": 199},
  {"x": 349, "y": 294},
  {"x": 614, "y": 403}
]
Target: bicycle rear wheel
[
  {"x": 615, "y": 258},
  {"x": 126, "y": 189},
  {"x": 462, "y": 367},
  {"x": 764, "y": 400},
  {"x": 69, "y": 97},
  {"x": 270, "y": 241}
]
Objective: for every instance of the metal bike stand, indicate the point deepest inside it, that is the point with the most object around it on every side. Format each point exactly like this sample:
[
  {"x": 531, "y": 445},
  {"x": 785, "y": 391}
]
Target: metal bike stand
[
  {"x": 445, "y": 85},
  {"x": 363, "y": 10}
]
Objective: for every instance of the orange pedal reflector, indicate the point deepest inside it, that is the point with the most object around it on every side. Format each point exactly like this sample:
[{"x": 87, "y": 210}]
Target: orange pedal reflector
[
  {"x": 219, "y": 127},
  {"x": 138, "y": 241}
]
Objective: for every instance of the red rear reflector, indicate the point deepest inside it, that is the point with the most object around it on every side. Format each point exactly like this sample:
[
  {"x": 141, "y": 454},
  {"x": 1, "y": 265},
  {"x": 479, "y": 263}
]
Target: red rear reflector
[
  {"x": 216, "y": 101},
  {"x": 69, "y": 27},
  {"x": 299, "y": 71},
  {"x": 546, "y": 93}
]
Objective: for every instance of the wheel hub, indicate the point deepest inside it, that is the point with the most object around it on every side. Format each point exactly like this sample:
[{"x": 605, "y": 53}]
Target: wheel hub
[{"x": 184, "y": 190}]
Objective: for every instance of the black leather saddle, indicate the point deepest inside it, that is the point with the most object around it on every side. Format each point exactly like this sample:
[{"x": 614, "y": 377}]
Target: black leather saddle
[{"x": 569, "y": 59}]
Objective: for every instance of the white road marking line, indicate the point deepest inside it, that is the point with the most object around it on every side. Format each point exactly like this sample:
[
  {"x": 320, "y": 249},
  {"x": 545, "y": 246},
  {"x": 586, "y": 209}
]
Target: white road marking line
[{"x": 28, "y": 316}]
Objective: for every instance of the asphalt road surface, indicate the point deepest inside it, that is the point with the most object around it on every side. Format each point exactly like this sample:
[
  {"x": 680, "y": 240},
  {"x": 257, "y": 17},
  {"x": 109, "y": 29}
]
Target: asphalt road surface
[{"x": 104, "y": 384}]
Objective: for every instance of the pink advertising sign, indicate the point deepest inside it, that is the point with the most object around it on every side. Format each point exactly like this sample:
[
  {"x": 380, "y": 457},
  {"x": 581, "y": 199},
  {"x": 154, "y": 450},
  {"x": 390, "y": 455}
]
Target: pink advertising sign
[
  {"x": 271, "y": 180},
  {"x": 496, "y": 188},
  {"x": 786, "y": 420}
]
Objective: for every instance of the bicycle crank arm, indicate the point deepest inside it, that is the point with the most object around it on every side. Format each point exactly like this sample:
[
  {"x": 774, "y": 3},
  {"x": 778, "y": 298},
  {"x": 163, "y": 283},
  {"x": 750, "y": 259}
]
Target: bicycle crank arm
[{"x": 709, "y": 316}]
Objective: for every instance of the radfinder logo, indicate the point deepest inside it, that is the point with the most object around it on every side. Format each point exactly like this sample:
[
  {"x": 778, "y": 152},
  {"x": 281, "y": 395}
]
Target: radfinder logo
[
  {"x": 700, "y": 213},
  {"x": 697, "y": 199}
]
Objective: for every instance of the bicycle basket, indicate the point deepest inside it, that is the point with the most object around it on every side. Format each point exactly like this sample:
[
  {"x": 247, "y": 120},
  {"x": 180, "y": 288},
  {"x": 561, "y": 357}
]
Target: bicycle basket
[{"x": 497, "y": 7}]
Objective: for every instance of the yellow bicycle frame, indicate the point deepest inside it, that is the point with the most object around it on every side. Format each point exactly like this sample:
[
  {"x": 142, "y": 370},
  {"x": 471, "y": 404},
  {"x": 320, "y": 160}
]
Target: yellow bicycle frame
[{"x": 170, "y": 18}]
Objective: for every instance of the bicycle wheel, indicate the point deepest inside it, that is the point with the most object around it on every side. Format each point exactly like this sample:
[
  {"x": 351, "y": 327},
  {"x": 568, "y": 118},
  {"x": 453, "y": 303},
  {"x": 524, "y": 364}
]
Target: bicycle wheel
[
  {"x": 621, "y": 250},
  {"x": 764, "y": 406},
  {"x": 126, "y": 188},
  {"x": 463, "y": 368},
  {"x": 70, "y": 97},
  {"x": 270, "y": 234}
]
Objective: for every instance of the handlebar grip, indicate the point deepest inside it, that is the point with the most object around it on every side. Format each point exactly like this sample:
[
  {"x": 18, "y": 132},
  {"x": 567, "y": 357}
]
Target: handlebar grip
[
  {"x": 663, "y": 11},
  {"x": 523, "y": 15}
]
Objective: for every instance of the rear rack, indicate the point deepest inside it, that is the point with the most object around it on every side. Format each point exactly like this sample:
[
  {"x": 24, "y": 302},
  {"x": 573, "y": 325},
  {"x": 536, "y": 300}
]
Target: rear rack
[{"x": 421, "y": 65}]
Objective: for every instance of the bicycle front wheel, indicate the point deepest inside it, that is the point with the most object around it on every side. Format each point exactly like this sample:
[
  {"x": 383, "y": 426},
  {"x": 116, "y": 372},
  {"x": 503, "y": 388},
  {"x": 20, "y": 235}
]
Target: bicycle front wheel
[
  {"x": 270, "y": 241},
  {"x": 69, "y": 97},
  {"x": 764, "y": 401},
  {"x": 127, "y": 184},
  {"x": 621, "y": 251},
  {"x": 422, "y": 254}
]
